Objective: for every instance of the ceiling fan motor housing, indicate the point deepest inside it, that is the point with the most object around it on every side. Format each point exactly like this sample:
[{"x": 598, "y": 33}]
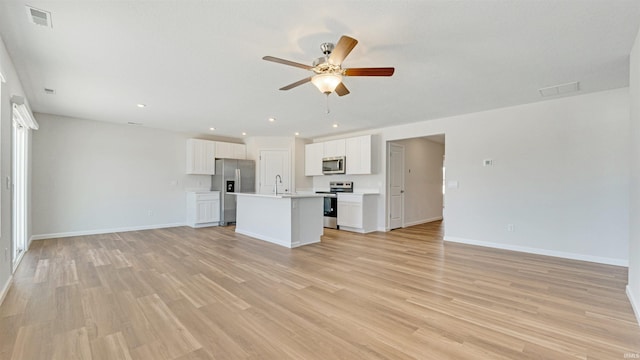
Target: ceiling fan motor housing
[
  {"x": 322, "y": 65},
  {"x": 327, "y": 48}
]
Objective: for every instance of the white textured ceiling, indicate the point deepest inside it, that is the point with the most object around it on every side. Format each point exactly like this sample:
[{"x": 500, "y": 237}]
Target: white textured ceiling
[{"x": 197, "y": 64}]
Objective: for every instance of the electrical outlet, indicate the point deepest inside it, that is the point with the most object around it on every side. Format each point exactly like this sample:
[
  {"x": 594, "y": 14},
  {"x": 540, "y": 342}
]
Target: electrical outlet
[{"x": 510, "y": 228}]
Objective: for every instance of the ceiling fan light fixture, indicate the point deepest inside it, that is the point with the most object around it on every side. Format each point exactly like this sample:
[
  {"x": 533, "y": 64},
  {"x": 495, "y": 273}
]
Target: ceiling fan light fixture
[{"x": 326, "y": 83}]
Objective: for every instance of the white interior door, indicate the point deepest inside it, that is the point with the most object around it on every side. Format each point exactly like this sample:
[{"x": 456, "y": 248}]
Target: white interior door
[
  {"x": 396, "y": 186},
  {"x": 274, "y": 163}
]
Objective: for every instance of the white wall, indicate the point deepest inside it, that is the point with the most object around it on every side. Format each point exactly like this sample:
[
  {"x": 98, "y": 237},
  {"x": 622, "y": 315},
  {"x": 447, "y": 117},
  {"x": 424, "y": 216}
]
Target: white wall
[
  {"x": 633, "y": 288},
  {"x": 12, "y": 86},
  {"x": 422, "y": 180},
  {"x": 92, "y": 176},
  {"x": 561, "y": 176}
]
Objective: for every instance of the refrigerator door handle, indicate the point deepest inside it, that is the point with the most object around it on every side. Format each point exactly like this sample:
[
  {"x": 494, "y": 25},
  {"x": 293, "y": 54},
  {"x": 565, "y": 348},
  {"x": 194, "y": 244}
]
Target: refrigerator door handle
[{"x": 238, "y": 180}]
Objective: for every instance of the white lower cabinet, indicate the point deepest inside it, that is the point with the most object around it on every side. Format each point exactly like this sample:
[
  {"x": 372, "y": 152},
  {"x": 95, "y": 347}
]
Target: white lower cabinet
[
  {"x": 357, "y": 212},
  {"x": 203, "y": 208}
]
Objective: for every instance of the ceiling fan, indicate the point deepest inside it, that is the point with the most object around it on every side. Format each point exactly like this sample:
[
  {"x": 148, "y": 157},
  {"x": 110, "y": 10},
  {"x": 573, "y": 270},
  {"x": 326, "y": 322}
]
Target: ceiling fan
[{"x": 328, "y": 70}]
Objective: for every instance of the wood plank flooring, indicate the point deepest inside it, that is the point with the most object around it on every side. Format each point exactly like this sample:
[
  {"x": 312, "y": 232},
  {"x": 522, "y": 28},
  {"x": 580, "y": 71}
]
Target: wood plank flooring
[{"x": 183, "y": 293}]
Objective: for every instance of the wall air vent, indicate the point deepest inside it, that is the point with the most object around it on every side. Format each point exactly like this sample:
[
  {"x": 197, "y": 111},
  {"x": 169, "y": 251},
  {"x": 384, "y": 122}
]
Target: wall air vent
[
  {"x": 49, "y": 91},
  {"x": 39, "y": 17},
  {"x": 560, "y": 89}
]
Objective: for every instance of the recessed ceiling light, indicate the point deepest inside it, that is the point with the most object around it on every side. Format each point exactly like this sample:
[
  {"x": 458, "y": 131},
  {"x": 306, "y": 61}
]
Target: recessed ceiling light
[
  {"x": 335, "y": 125},
  {"x": 296, "y": 133},
  {"x": 244, "y": 133},
  {"x": 212, "y": 128},
  {"x": 141, "y": 105},
  {"x": 271, "y": 119}
]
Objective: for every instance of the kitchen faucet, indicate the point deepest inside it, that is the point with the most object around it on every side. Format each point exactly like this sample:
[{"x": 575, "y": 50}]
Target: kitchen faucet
[{"x": 276, "y": 183}]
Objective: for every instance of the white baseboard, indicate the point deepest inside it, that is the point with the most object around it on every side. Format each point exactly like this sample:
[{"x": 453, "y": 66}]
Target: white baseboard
[
  {"x": 5, "y": 289},
  {"x": 525, "y": 249},
  {"x": 17, "y": 261},
  {"x": 298, "y": 244},
  {"x": 352, "y": 229},
  {"x": 262, "y": 237},
  {"x": 198, "y": 226},
  {"x": 635, "y": 305},
  {"x": 423, "y": 221},
  {"x": 103, "y": 231}
]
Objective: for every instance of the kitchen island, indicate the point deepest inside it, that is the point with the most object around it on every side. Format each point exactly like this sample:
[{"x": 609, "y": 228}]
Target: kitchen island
[{"x": 289, "y": 220}]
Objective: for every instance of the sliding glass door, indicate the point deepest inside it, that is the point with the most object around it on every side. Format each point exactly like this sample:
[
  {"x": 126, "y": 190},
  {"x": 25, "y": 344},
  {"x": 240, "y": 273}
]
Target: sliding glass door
[{"x": 19, "y": 192}]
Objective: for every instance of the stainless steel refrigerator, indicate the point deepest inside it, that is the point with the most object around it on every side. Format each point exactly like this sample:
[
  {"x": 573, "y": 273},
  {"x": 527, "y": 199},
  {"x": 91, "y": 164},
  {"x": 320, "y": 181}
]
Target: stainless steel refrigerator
[{"x": 232, "y": 176}]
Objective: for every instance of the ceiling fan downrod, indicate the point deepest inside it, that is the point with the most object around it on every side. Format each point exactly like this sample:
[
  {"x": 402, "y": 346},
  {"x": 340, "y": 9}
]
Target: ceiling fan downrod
[
  {"x": 327, "y": 48},
  {"x": 328, "y": 110}
]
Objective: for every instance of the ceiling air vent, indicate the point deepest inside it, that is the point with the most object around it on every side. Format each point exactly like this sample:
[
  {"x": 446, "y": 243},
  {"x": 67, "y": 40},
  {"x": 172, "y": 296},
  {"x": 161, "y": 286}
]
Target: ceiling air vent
[
  {"x": 39, "y": 17},
  {"x": 560, "y": 89}
]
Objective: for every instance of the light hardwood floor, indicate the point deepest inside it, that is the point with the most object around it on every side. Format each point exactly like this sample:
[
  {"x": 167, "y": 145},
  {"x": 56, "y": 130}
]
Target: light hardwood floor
[{"x": 183, "y": 293}]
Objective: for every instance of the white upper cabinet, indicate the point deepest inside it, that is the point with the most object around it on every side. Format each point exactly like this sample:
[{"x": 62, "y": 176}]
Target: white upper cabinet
[
  {"x": 226, "y": 150},
  {"x": 356, "y": 150},
  {"x": 313, "y": 154},
  {"x": 239, "y": 151},
  {"x": 358, "y": 155},
  {"x": 334, "y": 148},
  {"x": 201, "y": 157}
]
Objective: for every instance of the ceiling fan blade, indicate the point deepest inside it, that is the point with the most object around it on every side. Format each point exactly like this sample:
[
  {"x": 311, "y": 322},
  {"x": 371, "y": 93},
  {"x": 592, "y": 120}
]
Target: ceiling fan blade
[
  {"x": 342, "y": 49},
  {"x": 287, "y": 62},
  {"x": 297, "y": 83},
  {"x": 385, "y": 71},
  {"x": 341, "y": 90}
]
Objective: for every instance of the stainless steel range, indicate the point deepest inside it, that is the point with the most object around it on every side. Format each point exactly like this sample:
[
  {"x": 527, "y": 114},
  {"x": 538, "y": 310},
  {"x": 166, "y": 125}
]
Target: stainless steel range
[{"x": 331, "y": 201}]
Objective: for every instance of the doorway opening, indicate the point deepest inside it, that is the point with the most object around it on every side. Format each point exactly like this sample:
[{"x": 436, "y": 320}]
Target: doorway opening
[
  {"x": 415, "y": 178},
  {"x": 396, "y": 185}
]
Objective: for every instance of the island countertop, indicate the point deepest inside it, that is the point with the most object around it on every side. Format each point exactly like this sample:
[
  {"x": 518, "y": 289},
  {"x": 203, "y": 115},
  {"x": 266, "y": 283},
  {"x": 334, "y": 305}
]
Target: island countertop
[{"x": 281, "y": 196}]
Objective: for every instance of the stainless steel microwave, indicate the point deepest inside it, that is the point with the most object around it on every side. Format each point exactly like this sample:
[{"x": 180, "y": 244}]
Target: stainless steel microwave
[{"x": 333, "y": 165}]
